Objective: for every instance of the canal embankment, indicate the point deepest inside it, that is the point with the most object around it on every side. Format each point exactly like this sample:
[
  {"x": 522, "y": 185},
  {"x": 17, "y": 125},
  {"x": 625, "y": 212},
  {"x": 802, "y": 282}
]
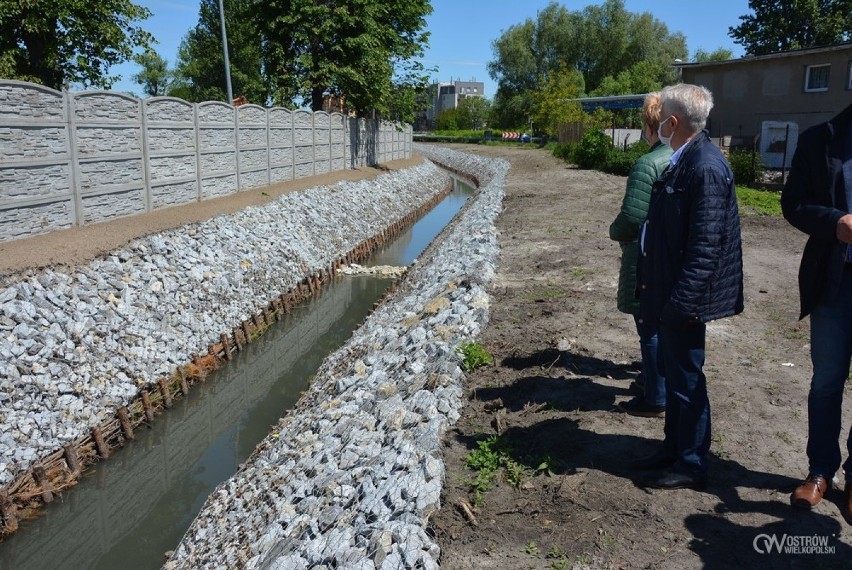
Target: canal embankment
[
  {"x": 350, "y": 476},
  {"x": 89, "y": 355}
]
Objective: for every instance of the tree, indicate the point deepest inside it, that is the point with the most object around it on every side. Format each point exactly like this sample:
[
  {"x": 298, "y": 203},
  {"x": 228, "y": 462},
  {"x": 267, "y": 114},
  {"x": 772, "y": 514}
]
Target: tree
[
  {"x": 447, "y": 120},
  {"x": 472, "y": 112},
  {"x": 155, "y": 76},
  {"x": 362, "y": 50},
  {"x": 720, "y": 54},
  {"x": 200, "y": 68},
  {"x": 69, "y": 41},
  {"x": 793, "y": 24},
  {"x": 599, "y": 42},
  {"x": 553, "y": 107}
]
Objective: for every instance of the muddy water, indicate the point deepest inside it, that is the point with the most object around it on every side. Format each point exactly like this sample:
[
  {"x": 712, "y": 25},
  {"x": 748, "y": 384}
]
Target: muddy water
[{"x": 126, "y": 512}]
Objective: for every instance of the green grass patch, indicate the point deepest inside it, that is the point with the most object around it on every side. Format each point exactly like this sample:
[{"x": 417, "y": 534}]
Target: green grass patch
[
  {"x": 759, "y": 202},
  {"x": 544, "y": 294}
]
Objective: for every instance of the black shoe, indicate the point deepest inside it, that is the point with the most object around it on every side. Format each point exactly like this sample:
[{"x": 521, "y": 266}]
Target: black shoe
[
  {"x": 639, "y": 407},
  {"x": 658, "y": 460},
  {"x": 675, "y": 480}
]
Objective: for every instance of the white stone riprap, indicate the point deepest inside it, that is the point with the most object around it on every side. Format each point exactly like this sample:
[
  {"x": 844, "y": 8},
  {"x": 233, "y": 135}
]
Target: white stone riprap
[
  {"x": 76, "y": 346},
  {"x": 349, "y": 477}
]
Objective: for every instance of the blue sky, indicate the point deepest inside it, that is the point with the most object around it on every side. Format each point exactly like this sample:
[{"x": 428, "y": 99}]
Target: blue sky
[{"x": 462, "y": 30}]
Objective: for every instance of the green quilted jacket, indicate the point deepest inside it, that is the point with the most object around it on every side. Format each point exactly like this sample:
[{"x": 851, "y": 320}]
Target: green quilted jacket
[{"x": 634, "y": 208}]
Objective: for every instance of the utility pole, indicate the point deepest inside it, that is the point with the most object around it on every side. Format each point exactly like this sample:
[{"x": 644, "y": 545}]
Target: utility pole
[{"x": 225, "y": 51}]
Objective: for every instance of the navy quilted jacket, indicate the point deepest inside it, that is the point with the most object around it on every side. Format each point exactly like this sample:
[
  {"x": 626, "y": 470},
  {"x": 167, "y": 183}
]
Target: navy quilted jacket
[{"x": 690, "y": 268}]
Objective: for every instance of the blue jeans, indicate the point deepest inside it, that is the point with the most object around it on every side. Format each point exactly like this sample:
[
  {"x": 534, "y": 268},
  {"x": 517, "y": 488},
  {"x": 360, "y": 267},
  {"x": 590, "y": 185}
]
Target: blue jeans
[
  {"x": 655, "y": 382},
  {"x": 831, "y": 349},
  {"x": 687, "y": 424}
]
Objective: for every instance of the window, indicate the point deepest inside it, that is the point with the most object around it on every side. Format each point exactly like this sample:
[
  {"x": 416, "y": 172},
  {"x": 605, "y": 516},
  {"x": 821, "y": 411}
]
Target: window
[{"x": 816, "y": 78}]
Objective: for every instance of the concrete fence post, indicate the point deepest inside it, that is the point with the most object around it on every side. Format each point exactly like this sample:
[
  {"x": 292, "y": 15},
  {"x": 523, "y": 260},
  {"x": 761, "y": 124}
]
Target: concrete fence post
[
  {"x": 146, "y": 156},
  {"x": 76, "y": 202},
  {"x": 237, "y": 146},
  {"x": 197, "y": 137}
]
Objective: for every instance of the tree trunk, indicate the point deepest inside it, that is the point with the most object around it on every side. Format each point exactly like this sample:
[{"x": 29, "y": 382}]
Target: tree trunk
[{"x": 317, "y": 93}]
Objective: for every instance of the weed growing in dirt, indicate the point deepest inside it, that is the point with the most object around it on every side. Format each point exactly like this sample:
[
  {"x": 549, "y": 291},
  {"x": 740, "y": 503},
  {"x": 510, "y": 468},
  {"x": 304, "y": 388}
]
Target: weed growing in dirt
[
  {"x": 474, "y": 356},
  {"x": 719, "y": 441},
  {"x": 531, "y": 549},
  {"x": 578, "y": 272},
  {"x": 784, "y": 437},
  {"x": 487, "y": 459},
  {"x": 544, "y": 294}
]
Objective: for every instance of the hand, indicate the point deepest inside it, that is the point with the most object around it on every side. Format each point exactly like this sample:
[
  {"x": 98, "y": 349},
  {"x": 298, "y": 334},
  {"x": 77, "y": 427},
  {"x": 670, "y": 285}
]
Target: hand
[{"x": 844, "y": 229}]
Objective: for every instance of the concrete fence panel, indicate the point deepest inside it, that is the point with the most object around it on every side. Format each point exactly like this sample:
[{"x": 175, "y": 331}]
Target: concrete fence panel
[
  {"x": 217, "y": 147},
  {"x": 281, "y": 145},
  {"x": 171, "y": 150},
  {"x": 254, "y": 146},
  {"x": 84, "y": 157},
  {"x": 110, "y": 167},
  {"x": 36, "y": 174},
  {"x": 303, "y": 142}
]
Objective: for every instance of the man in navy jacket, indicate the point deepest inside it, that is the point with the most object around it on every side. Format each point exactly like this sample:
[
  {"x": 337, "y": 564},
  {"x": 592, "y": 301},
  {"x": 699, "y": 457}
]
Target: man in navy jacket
[
  {"x": 817, "y": 200},
  {"x": 690, "y": 272}
]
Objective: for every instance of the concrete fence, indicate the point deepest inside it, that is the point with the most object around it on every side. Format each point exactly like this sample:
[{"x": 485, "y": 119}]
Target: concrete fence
[{"x": 78, "y": 158}]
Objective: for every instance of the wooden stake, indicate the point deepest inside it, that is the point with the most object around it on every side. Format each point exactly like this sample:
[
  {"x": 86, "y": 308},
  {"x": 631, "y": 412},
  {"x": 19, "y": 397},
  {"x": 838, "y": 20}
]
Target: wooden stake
[
  {"x": 237, "y": 343},
  {"x": 71, "y": 459},
  {"x": 227, "y": 345},
  {"x": 9, "y": 512},
  {"x": 184, "y": 385},
  {"x": 146, "y": 403},
  {"x": 100, "y": 444},
  {"x": 40, "y": 477},
  {"x": 164, "y": 391},
  {"x": 246, "y": 334},
  {"x": 126, "y": 426}
]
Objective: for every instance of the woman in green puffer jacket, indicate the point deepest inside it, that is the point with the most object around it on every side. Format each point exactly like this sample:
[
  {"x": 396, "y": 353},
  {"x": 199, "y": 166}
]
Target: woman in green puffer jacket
[{"x": 625, "y": 230}]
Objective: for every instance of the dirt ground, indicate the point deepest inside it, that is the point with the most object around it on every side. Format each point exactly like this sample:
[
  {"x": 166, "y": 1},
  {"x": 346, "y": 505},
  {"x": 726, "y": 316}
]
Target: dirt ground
[{"x": 557, "y": 279}]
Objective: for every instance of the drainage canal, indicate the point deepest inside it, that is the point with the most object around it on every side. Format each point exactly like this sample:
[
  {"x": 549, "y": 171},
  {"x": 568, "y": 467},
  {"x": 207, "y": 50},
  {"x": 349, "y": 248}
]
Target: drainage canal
[{"x": 128, "y": 511}]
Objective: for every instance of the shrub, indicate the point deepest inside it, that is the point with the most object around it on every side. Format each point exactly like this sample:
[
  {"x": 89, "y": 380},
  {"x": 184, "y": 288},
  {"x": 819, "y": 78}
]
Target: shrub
[
  {"x": 565, "y": 151},
  {"x": 593, "y": 150},
  {"x": 745, "y": 172}
]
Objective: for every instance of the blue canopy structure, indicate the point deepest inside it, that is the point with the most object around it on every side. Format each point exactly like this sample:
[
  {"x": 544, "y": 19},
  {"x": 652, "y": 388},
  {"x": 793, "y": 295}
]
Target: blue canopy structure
[{"x": 612, "y": 102}]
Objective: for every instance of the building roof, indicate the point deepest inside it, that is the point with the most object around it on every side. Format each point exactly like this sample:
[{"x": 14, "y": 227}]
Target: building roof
[
  {"x": 612, "y": 101},
  {"x": 777, "y": 55}
]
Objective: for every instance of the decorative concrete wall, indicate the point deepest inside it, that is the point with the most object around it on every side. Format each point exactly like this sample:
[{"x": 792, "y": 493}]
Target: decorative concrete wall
[{"x": 78, "y": 158}]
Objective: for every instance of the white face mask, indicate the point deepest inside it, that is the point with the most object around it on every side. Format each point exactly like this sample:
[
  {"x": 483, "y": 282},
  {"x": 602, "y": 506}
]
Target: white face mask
[{"x": 665, "y": 140}]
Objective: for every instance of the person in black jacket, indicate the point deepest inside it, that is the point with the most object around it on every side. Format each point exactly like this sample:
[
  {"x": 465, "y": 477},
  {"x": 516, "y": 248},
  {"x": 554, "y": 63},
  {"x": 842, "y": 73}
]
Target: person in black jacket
[
  {"x": 817, "y": 199},
  {"x": 690, "y": 272}
]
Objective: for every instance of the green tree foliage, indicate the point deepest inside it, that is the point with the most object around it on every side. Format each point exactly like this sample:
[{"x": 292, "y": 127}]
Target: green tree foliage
[
  {"x": 600, "y": 42},
  {"x": 362, "y": 50},
  {"x": 155, "y": 76},
  {"x": 447, "y": 120},
  {"x": 793, "y": 24},
  {"x": 551, "y": 107},
  {"x": 720, "y": 54},
  {"x": 473, "y": 112},
  {"x": 68, "y": 41},
  {"x": 200, "y": 68}
]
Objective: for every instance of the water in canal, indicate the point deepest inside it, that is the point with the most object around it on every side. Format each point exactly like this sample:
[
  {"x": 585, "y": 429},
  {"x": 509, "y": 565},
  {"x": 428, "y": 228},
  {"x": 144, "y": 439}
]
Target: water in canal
[{"x": 128, "y": 511}]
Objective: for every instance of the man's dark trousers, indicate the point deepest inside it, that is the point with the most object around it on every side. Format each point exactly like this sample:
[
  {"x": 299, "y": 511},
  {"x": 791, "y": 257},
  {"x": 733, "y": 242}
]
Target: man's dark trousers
[{"x": 687, "y": 424}]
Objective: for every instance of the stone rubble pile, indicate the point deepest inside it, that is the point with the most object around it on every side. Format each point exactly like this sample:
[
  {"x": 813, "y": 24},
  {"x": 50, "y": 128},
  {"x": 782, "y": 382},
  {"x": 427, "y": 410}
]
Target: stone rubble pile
[
  {"x": 382, "y": 270},
  {"x": 77, "y": 345},
  {"x": 349, "y": 477}
]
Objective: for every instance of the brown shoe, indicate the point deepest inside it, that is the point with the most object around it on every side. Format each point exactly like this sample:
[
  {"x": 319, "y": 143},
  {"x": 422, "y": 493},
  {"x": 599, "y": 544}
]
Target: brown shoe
[{"x": 810, "y": 492}]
